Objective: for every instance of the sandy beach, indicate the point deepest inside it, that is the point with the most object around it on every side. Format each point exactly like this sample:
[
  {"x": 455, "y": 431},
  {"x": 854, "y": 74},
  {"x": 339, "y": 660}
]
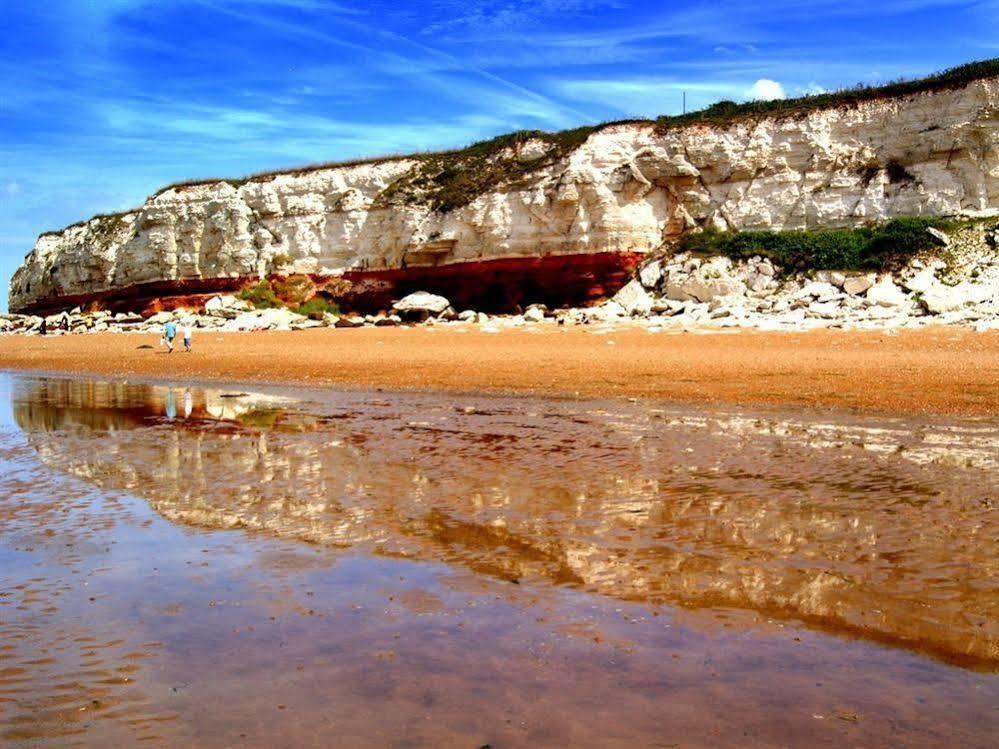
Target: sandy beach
[{"x": 934, "y": 370}]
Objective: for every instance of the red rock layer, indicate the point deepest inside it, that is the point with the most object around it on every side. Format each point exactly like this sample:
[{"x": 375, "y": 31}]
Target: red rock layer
[{"x": 487, "y": 285}]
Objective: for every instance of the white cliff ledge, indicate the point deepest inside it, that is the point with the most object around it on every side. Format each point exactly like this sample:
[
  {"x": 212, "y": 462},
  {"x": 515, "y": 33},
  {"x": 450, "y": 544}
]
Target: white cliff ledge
[{"x": 615, "y": 192}]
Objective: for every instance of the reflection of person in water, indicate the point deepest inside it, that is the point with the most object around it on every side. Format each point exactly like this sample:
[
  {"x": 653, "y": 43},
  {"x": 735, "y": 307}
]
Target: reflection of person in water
[
  {"x": 188, "y": 403},
  {"x": 170, "y": 406}
]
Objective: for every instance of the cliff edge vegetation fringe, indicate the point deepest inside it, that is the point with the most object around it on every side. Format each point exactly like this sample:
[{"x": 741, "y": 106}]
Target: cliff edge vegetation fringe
[
  {"x": 451, "y": 188},
  {"x": 454, "y": 178}
]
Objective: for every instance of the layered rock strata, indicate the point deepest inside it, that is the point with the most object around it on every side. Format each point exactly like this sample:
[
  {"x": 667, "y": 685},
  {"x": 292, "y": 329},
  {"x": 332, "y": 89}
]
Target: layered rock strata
[{"x": 564, "y": 225}]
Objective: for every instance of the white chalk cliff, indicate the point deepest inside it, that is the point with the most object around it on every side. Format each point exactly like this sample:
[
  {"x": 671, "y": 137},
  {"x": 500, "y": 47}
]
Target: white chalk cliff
[{"x": 624, "y": 190}]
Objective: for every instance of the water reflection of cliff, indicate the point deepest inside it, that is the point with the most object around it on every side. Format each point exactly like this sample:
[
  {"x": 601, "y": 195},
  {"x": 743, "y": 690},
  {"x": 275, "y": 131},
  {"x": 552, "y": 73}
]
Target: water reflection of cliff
[{"x": 876, "y": 528}]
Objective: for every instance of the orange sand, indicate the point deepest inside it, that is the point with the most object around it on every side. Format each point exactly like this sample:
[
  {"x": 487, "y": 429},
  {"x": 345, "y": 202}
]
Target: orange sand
[{"x": 935, "y": 370}]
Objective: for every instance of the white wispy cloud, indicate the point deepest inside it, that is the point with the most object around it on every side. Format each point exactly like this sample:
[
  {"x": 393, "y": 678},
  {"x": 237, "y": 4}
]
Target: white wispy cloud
[
  {"x": 645, "y": 31},
  {"x": 505, "y": 15},
  {"x": 391, "y": 59}
]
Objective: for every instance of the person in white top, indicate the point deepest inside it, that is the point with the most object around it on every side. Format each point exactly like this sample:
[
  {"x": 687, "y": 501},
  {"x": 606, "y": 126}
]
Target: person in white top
[{"x": 186, "y": 333}]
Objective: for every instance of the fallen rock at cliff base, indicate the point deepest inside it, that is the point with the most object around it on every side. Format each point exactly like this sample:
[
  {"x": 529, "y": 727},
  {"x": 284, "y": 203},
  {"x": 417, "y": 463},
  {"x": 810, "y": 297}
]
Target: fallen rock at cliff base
[
  {"x": 834, "y": 277},
  {"x": 534, "y": 314},
  {"x": 651, "y": 274},
  {"x": 225, "y": 305},
  {"x": 159, "y": 318},
  {"x": 922, "y": 282},
  {"x": 634, "y": 299},
  {"x": 857, "y": 285},
  {"x": 421, "y": 304},
  {"x": 886, "y": 294},
  {"x": 821, "y": 291},
  {"x": 941, "y": 298},
  {"x": 350, "y": 321},
  {"x": 266, "y": 319},
  {"x": 702, "y": 289}
]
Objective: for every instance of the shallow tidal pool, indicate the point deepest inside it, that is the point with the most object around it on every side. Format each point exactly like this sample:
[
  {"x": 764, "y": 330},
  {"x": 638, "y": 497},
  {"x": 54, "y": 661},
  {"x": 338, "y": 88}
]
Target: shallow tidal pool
[{"x": 220, "y": 566}]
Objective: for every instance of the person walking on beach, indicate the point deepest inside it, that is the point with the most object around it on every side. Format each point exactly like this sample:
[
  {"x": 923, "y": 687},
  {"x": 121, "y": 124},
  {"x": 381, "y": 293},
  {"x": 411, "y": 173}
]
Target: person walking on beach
[
  {"x": 169, "y": 333},
  {"x": 186, "y": 334}
]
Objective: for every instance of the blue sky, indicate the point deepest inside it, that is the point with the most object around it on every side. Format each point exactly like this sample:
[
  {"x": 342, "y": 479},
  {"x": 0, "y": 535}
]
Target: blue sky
[{"x": 102, "y": 102}]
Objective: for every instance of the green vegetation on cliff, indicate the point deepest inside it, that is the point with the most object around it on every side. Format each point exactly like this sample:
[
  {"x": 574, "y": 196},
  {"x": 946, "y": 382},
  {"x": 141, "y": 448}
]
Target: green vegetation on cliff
[
  {"x": 451, "y": 180},
  {"x": 261, "y": 295},
  {"x": 879, "y": 248},
  {"x": 296, "y": 292},
  {"x": 447, "y": 180},
  {"x": 723, "y": 112}
]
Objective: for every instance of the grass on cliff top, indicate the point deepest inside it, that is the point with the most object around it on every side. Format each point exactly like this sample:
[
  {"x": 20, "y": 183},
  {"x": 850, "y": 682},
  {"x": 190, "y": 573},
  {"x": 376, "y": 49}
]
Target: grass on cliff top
[
  {"x": 726, "y": 111},
  {"x": 107, "y": 224},
  {"x": 879, "y": 248},
  {"x": 446, "y": 180}
]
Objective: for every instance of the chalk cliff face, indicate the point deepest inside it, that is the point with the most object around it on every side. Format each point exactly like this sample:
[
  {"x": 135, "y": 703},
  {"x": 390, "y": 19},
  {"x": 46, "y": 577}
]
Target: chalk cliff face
[{"x": 569, "y": 223}]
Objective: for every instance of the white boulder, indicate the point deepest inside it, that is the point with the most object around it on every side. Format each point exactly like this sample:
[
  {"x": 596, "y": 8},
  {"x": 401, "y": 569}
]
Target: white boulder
[
  {"x": 651, "y": 274},
  {"x": 421, "y": 302},
  {"x": 941, "y": 298},
  {"x": 634, "y": 299},
  {"x": 886, "y": 294},
  {"x": 834, "y": 277},
  {"x": 857, "y": 285},
  {"x": 534, "y": 314},
  {"x": 607, "y": 311},
  {"x": 823, "y": 291},
  {"x": 160, "y": 318},
  {"x": 922, "y": 282},
  {"x": 225, "y": 305},
  {"x": 824, "y": 310},
  {"x": 265, "y": 319}
]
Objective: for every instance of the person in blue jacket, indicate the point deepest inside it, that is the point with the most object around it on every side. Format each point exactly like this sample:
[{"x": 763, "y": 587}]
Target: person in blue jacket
[{"x": 169, "y": 333}]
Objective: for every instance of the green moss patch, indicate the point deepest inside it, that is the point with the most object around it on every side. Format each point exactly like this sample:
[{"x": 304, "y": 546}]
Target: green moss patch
[
  {"x": 260, "y": 295},
  {"x": 316, "y": 307},
  {"x": 294, "y": 289},
  {"x": 297, "y": 292}
]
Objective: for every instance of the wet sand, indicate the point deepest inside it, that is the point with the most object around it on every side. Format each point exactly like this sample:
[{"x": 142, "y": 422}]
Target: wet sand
[
  {"x": 934, "y": 370},
  {"x": 288, "y": 567}
]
